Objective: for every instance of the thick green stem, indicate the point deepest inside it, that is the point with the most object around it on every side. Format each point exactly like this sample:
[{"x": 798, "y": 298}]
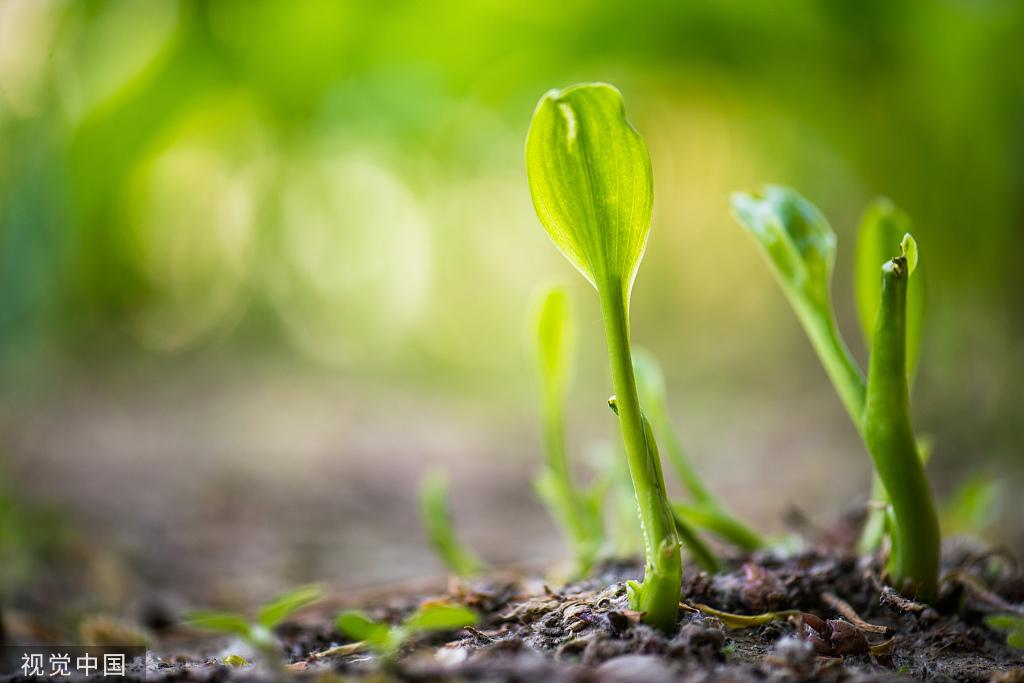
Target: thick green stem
[
  {"x": 890, "y": 439},
  {"x": 658, "y": 595}
]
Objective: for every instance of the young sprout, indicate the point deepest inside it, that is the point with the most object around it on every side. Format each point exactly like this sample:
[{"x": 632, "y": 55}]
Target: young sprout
[
  {"x": 258, "y": 633},
  {"x": 613, "y": 470},
  {"x": 800, "y": 246},
  {"x": 914, "y": 562},
  {"x": 438, "y": 523},
  {"x": 385, "y": 640},
  {"x": 975, "y": 505},
  {"x": 577, "y": 512},
  {"x": 705, "y": 512},
  {"x": 590, "y": 178},
  {"x": 882, "y": 226},
  {"x": 1013, "y": 624}
]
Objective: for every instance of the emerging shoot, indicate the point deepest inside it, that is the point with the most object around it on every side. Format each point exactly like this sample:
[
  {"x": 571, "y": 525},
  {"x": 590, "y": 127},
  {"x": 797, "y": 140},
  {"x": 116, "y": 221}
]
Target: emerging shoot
[
  {"x": 882, "y": 226},
  {"x": 799, "y": 245},
  {"x": 590, "y": 179},
  {"x": 914, "y": 562},
  {"x": 258, "y": 633},
  {"x": 577, "y": 511},
  {"x": 385, "y": 640},
  {"x": 439, "y": 525},
  {"x": 1012, "y": 624},
  {"x": 705, "y": 511}
]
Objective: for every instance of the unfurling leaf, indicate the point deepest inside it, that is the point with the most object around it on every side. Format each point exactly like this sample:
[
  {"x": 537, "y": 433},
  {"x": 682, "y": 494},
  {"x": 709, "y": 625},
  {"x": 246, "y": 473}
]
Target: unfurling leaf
[
  {"x": 590, "y": 178},
  {"x": 800, "y": 247},
  {"x": 796, "y": 239}
]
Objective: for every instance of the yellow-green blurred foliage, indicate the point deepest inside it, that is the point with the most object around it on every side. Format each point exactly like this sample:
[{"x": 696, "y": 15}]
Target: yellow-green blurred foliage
[{"x": 340, "y": 183}]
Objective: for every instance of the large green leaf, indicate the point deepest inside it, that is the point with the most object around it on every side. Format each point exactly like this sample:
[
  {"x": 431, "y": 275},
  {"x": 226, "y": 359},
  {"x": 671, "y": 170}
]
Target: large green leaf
[
  {"x": 590, "y": 178},
  {"x": 555, "y": 337},
  {"x": 796, "y": 239},
  {"x": 882, "y": 228},
  {"x": 283, "y": 606}
]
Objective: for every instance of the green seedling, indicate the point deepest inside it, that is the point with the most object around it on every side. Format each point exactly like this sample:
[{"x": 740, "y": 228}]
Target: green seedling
[
  {"x": 590, "y": 179},
  {"x": 258, "y": 633},
  {"x": 705, "y": 511},
  {"x": 914, "y": 561},
  {"x": 974, "y": 506},
  {"x": 622, "y": 524},
  {"x": 385, "y": 639},
  {"x": 438, "y": 523},
  {"x": 577, "y": 511},
  {"x": 1013, "y": 624},
  {"x": 882, "y": 226},
  {"x": 799, "y": 244}
]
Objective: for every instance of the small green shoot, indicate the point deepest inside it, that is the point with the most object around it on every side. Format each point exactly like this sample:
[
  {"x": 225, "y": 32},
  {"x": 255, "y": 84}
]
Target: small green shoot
[
  {"x": 799, "y": 244},
  {"x": 882, "y": 226},
  {"x": 705, "y": 512},
  {"x": 974, "y": 506},
  {"x": 258, "y": 633},
  {"x": 439, "y": 525},
  {"x": 613, "y": 469},
  {"x": 577, "y": 511},
  {"x": 235, "y": 661},
  {"x": 590, "y": 178},
  {"x": 1013, "y": 624},
  {"x": 385, "y": 640},
  {"x": 914, "y": 561}
]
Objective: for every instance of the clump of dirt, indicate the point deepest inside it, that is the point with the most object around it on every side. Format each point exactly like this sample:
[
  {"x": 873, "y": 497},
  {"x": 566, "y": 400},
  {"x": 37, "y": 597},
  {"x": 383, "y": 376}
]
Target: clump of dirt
[{"x": 834, "y": 620}]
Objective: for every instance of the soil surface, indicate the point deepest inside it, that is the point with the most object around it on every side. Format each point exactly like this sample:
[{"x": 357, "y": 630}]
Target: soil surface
[{"x": 836, "y": 620}]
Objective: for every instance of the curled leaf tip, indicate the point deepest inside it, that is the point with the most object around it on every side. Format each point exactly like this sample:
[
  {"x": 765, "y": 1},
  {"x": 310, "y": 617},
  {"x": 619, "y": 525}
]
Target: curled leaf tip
[
  {"x": 908, "y": 250},
  {"x": 794, "y": 236}
]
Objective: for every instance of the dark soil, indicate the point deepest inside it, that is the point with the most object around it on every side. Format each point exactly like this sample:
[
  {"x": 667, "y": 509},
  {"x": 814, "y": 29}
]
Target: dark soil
[{"x": 850, "y": 627}]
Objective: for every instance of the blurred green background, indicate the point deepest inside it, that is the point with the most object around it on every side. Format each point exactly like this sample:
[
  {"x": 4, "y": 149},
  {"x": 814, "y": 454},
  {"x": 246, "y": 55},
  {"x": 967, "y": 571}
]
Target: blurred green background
[{"x": 261, "y": 262}]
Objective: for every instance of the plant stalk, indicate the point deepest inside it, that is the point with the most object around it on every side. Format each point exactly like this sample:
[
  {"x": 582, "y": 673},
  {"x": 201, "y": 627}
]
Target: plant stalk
[
  {"x": 658, "y": 595},
  {"x": 890, "y": 439}
]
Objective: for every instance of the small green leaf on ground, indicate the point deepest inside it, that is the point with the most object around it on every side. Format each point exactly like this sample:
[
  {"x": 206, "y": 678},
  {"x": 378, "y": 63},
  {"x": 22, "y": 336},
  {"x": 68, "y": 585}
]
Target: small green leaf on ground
[{"x": 283, "y": 606}]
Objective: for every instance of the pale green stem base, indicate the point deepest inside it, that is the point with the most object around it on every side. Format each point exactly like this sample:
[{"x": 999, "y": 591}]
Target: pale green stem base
[{"x": 658, "y": 595}]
